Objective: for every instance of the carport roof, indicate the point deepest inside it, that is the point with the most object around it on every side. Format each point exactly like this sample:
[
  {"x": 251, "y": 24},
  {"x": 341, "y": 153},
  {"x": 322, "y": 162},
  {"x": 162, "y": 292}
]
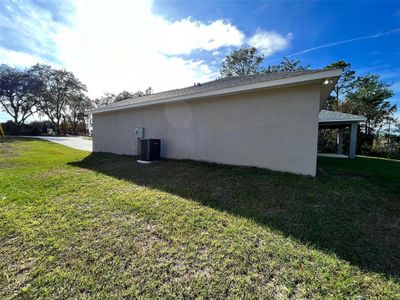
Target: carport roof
[
  {"x": 226, "y": 86},
  {"x": 327, "y": 116}
]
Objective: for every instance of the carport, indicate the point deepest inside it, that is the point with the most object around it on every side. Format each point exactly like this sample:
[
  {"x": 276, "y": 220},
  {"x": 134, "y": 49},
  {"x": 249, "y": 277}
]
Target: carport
[{"x": 338, "y": 120}]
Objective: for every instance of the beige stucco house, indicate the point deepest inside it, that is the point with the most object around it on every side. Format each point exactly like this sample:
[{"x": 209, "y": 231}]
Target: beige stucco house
[{"x": 268, "y": 121}]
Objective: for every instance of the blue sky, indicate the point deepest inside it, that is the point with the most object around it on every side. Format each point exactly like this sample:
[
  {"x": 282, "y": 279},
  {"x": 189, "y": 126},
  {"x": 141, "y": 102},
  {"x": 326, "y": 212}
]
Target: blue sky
[{"x": 122, "y": 44}]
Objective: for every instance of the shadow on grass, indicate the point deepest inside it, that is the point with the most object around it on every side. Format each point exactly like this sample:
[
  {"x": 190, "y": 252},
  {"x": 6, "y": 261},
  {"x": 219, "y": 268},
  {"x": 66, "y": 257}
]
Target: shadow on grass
[{"x": 346, "y": 210}]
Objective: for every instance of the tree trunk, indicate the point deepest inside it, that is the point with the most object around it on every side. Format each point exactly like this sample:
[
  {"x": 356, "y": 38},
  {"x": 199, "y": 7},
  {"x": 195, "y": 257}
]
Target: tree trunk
[{"x": 58, "y": 127}]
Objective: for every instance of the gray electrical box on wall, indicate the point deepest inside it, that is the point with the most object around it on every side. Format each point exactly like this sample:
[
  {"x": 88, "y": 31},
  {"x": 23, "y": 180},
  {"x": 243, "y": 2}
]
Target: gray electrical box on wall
[{"x": 139, "y": 134}]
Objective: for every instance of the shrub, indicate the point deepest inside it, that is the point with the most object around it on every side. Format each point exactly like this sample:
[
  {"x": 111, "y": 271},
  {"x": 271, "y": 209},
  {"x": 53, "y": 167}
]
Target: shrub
[{"x": 33, "y": 128}]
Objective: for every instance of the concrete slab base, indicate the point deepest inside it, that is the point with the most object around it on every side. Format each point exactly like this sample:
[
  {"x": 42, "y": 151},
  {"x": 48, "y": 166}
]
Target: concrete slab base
[
  {"x": 332, "y": 155},
  {"x": 144, "y": 161}
]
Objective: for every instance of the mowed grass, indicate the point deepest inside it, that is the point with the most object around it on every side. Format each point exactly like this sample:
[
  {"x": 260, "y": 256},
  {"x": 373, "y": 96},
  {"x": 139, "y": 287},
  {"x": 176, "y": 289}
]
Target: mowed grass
[{"x": 101, "y": 226}]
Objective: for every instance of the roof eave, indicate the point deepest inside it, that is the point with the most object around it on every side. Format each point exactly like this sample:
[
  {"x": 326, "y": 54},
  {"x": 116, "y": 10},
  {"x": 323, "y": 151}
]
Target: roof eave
[
  {"x": 361, "y": 119},
  {"x": 301, "y": 79}
]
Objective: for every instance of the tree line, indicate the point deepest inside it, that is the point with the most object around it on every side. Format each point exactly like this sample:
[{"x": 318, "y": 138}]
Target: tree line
[
  {"x": 55, "y": 94},
  {"x": 365, "y": 95},
  {"x": 61, "y": 98}
]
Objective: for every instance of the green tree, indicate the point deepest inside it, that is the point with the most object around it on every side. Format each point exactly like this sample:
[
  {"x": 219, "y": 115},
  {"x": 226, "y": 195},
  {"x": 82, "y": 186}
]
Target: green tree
[
  {"x": 75, "y": 117},
  {"x": 16, "y": 96},
  {"x": 368, "y": 97},
  {"x": 247, "y": 61},
  {"x": 242, "y": 62},
  {"x": 148, "y": 91},
  {"x": 104, "y": 100},
  {"x": 127, "y": 95},
  {"x": 123, "y": 96},
  {"x": 56, "y": 91},
  {"x": 342, "y": 87},
  {"x": 286, "y": 65},
  {"x": 109, "y": 98}
]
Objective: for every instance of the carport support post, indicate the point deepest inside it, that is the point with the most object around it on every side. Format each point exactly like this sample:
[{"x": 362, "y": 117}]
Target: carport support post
[
  {"x": 353, "y": 140},
  {"x": 340, "y": 141}
]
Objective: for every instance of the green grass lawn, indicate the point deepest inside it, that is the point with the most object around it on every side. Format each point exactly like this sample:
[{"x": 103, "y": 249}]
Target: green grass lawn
[{"x": 101, "y": 226}]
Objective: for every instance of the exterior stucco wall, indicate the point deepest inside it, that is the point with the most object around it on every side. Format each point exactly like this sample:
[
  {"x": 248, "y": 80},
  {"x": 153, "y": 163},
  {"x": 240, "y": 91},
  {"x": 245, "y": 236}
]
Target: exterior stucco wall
[{"x": 275, "y": 129}]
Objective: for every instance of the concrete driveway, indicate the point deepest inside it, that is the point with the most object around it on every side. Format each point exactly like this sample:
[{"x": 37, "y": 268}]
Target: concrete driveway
[{"x": 69, "y": 141}]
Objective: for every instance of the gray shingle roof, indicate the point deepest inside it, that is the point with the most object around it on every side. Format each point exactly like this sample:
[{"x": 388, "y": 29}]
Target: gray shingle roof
[
  {"x": 213, "y": 85},
  {"x": 327, "y": 116}
]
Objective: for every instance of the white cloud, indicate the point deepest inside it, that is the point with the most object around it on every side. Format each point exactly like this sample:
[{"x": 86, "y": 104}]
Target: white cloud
[
  {"x": 269, "y": 42},
  {"x": 17, "y": 58},
  {"x": 124, "y": 45},
  {"x": 184, "y": 36},
  {"x": 29, "y": 27}
]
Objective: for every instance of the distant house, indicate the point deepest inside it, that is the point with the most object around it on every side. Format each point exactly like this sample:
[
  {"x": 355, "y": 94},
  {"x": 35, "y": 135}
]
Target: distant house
[{"x": 268, "y": 121}]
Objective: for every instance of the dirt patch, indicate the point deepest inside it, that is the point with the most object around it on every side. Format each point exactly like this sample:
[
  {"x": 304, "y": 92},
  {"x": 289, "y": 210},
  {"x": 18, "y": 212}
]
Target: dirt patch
[
  {"x": 11, "y": 148},
  {"x": 6, "y": 151}
]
